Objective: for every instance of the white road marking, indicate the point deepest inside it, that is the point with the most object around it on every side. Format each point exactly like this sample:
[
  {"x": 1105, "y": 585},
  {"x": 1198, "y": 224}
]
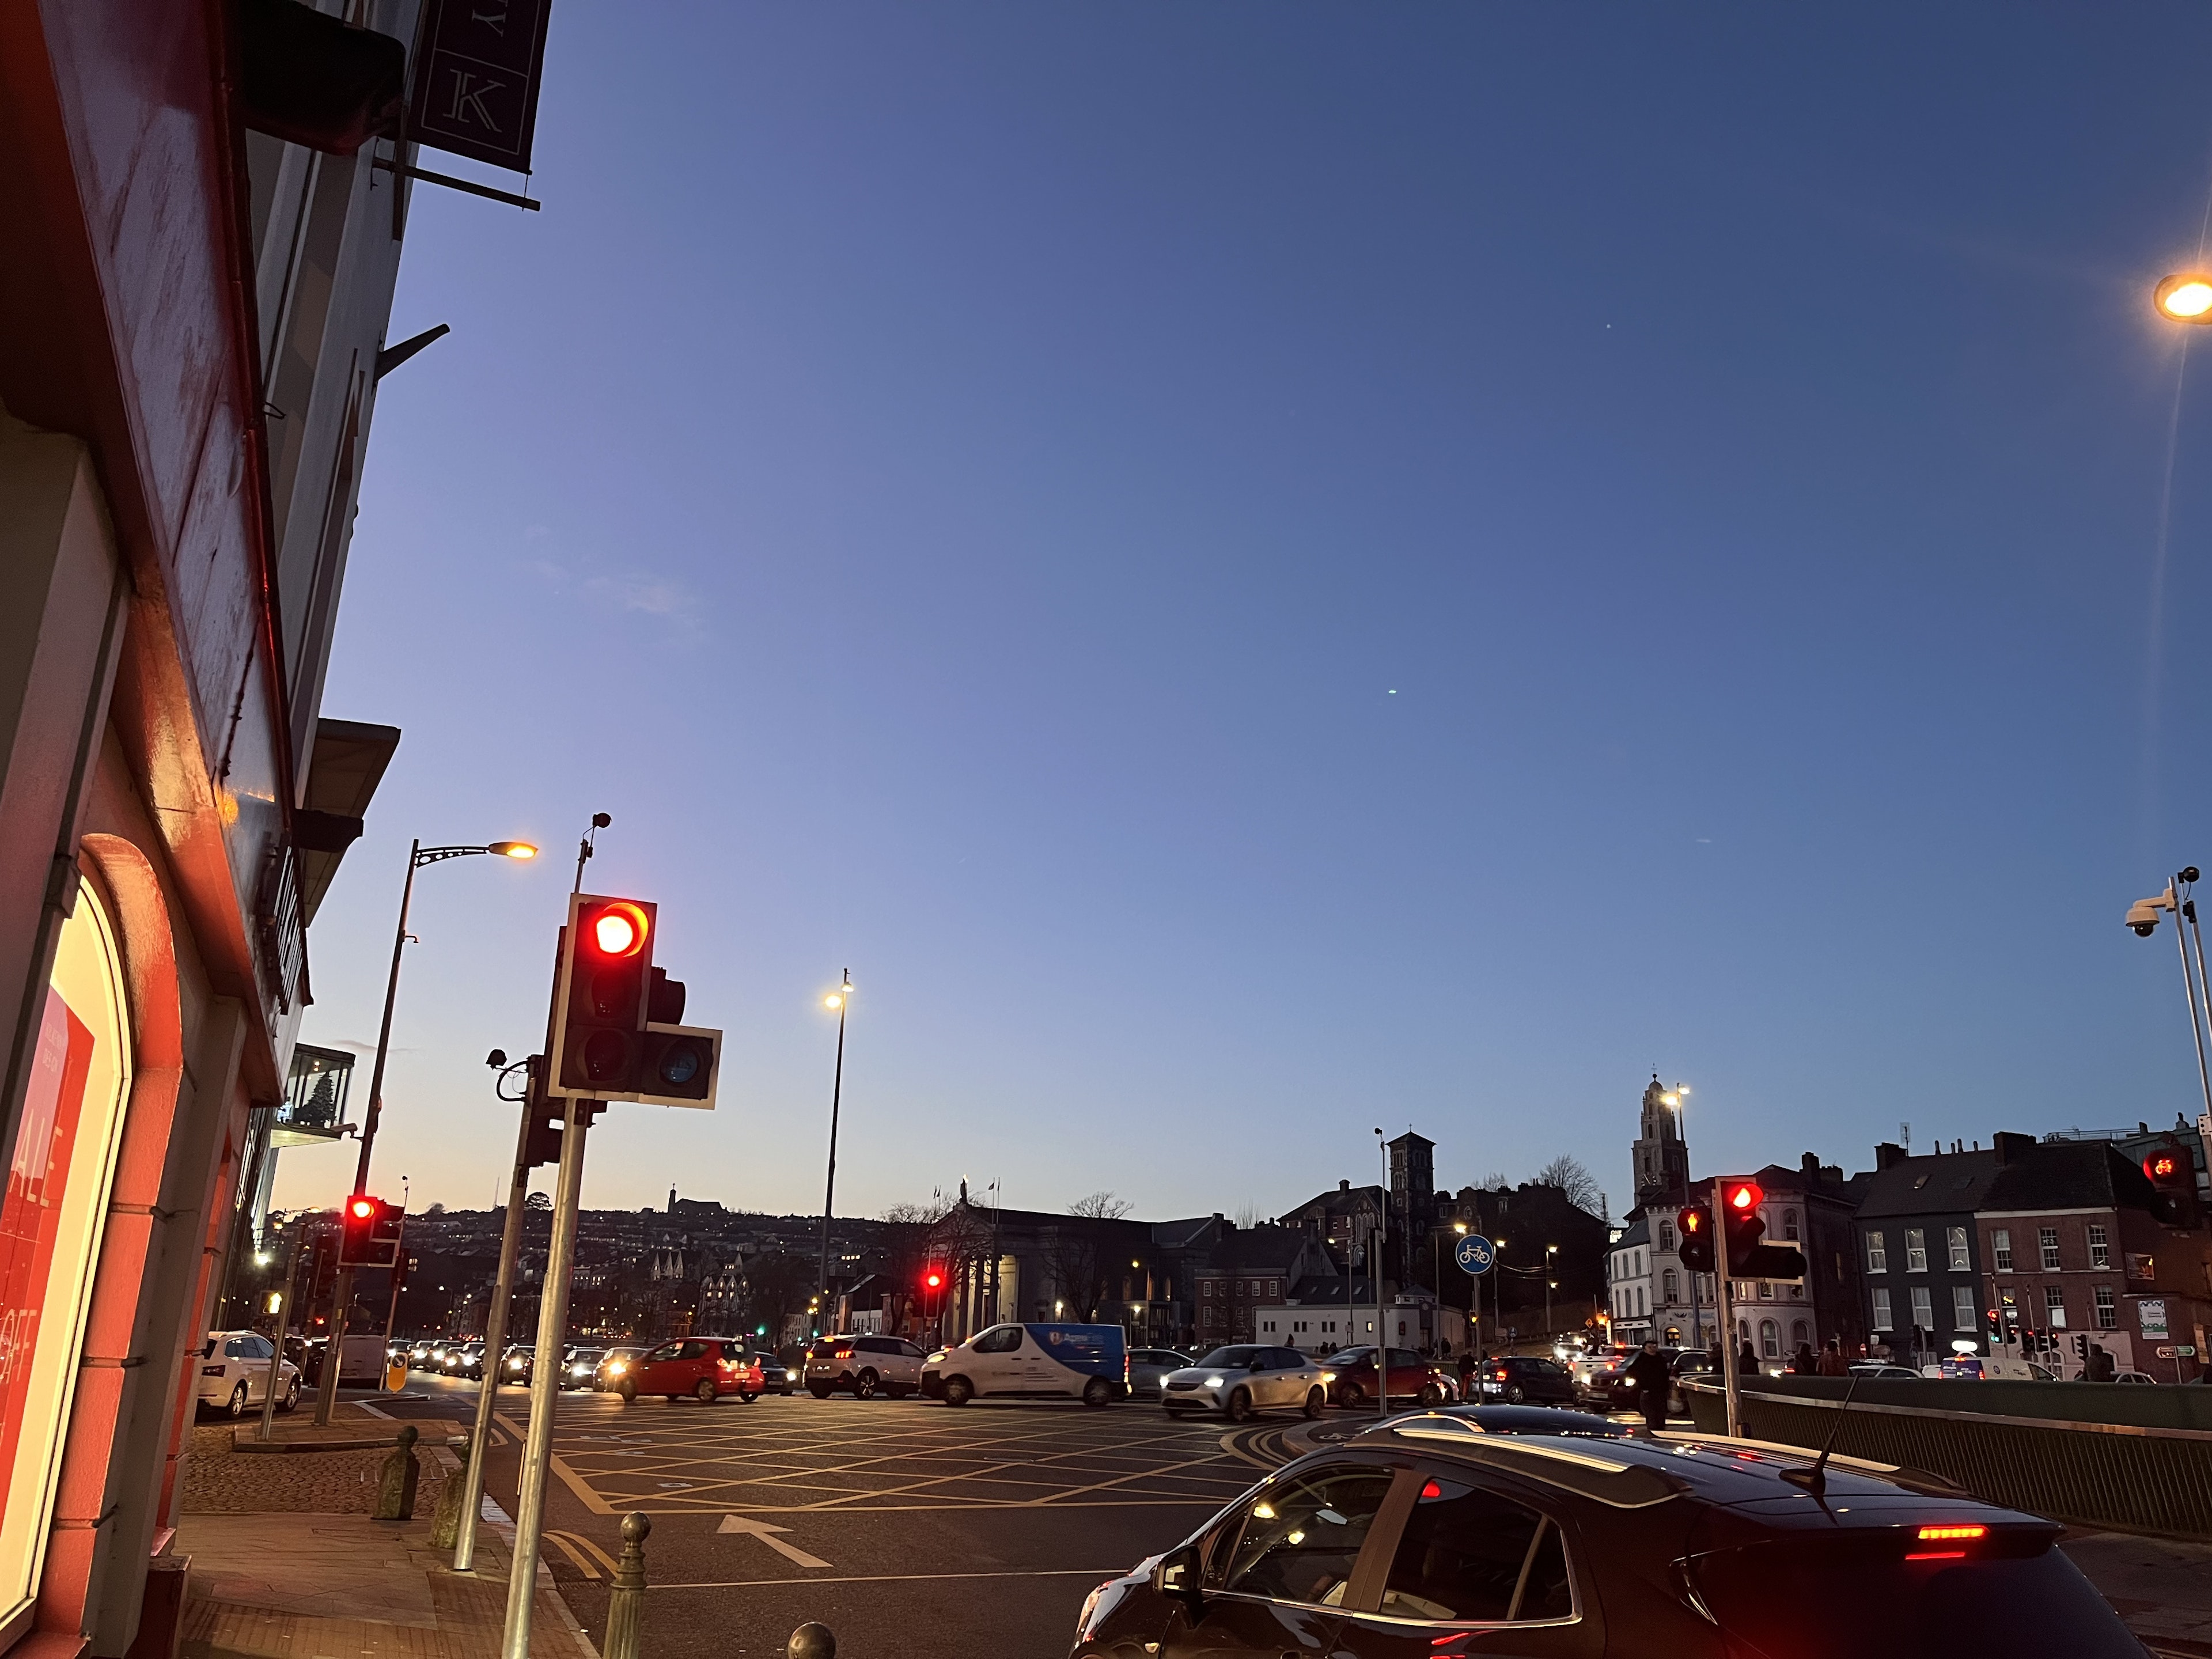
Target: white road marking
[{"x": 764, "y": 1530}]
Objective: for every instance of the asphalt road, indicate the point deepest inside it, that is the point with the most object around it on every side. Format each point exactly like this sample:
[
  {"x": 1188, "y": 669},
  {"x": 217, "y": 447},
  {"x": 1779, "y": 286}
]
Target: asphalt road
[{"x": 908, "y": 1528}]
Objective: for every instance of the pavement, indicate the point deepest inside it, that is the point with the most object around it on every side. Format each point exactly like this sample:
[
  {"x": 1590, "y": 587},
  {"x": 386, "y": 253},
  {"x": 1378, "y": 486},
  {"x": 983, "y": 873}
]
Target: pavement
[{"x": 2162, "y": 1586}]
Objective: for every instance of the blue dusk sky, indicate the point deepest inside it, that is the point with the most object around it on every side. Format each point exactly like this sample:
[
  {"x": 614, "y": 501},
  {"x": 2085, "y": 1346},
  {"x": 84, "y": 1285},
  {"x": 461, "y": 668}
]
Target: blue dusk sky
[{"x": 1260, "y": 570}]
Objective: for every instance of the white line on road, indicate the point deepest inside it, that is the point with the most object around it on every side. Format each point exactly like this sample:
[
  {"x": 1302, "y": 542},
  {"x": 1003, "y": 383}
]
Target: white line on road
[
  {"x": 902, "y": 1579},
  {"x": 764, "y": 1531}
]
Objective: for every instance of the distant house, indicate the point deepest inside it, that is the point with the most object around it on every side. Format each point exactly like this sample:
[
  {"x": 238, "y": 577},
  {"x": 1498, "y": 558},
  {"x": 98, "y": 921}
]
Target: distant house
[{"x": 1249, "y": 1268}]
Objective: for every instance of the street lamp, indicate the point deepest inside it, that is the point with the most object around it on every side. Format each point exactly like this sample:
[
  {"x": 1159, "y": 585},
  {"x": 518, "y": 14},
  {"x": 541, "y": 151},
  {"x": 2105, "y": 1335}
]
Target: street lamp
[
  {"x": 835, "y": 1002},
  {"x": 1550, "y": 1263},
  {"x": 2143, "y": 918},
  {"x": 418, "y": 855},
  {"x": 2185, "y": 297}
]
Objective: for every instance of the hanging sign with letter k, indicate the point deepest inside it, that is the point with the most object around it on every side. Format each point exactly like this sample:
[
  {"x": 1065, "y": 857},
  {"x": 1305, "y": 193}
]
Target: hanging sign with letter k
[{"x": 476, "y": 79}]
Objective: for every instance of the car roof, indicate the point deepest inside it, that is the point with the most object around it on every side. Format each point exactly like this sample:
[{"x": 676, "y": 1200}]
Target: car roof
[
  {"x": 1536, "y": 1419},
  {"x": 1641, "y": 1472}
]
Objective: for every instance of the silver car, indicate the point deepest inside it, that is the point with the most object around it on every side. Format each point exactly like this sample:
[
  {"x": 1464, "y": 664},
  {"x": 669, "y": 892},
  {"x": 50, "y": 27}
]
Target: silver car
[
  {"x": 1244, "y": 1378},
  {"x": 1149, "y": 1369}
]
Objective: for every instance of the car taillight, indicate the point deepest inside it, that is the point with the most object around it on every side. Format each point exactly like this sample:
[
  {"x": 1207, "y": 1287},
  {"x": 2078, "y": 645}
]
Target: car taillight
[
  {"x": 210, "y": 1371},
  {"x": 1959, "y": 1535}
]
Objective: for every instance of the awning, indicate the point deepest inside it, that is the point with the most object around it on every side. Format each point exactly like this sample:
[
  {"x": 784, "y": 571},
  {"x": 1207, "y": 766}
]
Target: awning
[
  {"x": 312, "y": 79},
  {"x": 343, "y": 773}
]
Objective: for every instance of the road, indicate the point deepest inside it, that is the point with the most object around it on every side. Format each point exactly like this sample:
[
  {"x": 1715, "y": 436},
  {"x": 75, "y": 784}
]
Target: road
[{"x": 905, "y": 1526}]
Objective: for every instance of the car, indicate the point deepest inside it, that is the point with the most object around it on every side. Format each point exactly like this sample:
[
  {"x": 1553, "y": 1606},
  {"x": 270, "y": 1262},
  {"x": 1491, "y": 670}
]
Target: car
[
  {"x": 433, "y": 1357},
  {"x": 776, "y": 1377},
  {"x": 704, "y": 1367},
  {"x": 614, "y": 1365},
  {"x": 1518, "y": 1378},
  {"x": 417, "y": 1353},
  {"x": 1246, "y": 1378},
  {"x": 1089, "y": 1362},
  {"x": 1533, "y": 1420},
  {"x": 1591, "y": 1361},
  {"x": 1149, "y": 1367},
  {"x": 2133, "y": 1376},
  {"x": 1351, "y": 1378},
  {"x": 234, "y": 1373},
  {"x": 466, "y": 1360},
  {"x": 866, "y": 1365},
  {"x": 1883, "y": 1371},
  {"x": 579, "y": 1366},
  {"x": 1426, "y": 1536},
  {"x": 518, "y": 1364},
  {"x": 1608, "y": 1386}
]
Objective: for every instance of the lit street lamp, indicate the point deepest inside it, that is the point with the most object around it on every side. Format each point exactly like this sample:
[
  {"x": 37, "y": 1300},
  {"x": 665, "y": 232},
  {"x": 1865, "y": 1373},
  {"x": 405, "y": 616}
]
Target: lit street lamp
[
  {"x": 2185, "y": 297},
  {"x": 835, "y": 1002},
  {"x": 417, "y": 856}
]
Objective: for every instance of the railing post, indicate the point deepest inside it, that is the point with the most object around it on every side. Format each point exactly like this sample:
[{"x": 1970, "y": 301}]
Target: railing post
[{"x": 626, "y": 1603}]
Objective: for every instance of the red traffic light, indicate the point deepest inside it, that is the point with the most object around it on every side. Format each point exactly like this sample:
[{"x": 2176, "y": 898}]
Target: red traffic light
[
  {"x": 2161, "y": 1166},
  {"x": 1693, "y": 1221},
  {"x": 934, "y": 1280},
  {"x": 362, "y": 1208},
  {"x": 619, "y": 929},
  {"x": 1744, "y": 1196}
]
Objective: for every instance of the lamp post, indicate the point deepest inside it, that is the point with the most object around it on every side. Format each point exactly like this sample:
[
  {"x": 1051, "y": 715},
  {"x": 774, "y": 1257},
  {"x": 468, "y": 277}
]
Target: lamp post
[
  {"x": 2143, "y": 918},
  {"x": 837, "y": 999},
  {"x": 1459, "y": 1227},
  {"x": 1551, "y": 1253},
  {"x": 1674, "y": 1100},
  {"x": 326, "y": 1397}
]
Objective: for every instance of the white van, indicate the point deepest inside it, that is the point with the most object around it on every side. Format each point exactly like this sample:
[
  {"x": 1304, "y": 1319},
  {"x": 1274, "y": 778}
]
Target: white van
[{"x": 1089, "y": 1362}]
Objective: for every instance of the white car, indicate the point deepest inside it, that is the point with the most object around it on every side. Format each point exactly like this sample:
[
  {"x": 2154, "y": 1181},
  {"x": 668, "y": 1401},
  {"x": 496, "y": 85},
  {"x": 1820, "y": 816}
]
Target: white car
[
  {"x": 867, "y": 1365},
  {"x": 234, "y": 1373},
  {"x": 1244, "y": 1378}
]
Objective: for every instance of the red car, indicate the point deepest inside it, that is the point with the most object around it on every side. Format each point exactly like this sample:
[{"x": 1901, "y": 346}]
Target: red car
[
  {"x": 1414, "y": 1380},
  {"x": 704, "y": 1367}
]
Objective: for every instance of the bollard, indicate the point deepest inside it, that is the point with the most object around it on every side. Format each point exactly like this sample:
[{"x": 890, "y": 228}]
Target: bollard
[
  {"x": 395, "y": 1490},
  {"x": 812, "y": 1641},
  {"x": 626, "y": 1604},
  {"x": 446, "y": 1519}
]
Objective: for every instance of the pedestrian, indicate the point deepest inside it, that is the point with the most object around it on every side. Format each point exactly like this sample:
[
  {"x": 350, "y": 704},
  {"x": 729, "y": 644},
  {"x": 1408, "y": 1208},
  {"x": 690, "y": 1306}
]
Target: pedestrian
[
  {"x": 1801, "y": 1362},
  {"x": 1832, "y": 1361},
  {"x": 1746, "y": 1362},
  {"x": 1647, "y": 1371},
  {"x": 1466, "y": 1373}
]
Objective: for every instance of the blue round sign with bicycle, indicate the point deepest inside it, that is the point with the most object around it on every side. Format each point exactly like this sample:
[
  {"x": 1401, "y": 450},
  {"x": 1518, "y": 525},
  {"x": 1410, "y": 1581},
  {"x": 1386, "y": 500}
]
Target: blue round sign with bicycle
[{"x": 1475, "y": 1252}]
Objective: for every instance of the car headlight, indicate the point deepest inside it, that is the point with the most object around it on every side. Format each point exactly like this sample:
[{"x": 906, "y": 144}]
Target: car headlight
[
  {"x": 1329, "y": 1376},
  {"x": 1212, "y": 1382}
]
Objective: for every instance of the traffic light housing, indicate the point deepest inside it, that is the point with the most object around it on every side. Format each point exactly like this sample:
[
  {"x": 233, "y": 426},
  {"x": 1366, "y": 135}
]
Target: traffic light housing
[
  {"x": 617, "y": 1033},
  {"x": 369, "y": 1232},
  {"x": 2172, "y": 1172},
  {"x": 1748, "y": 1258},
  {"x": 1695, "y": 1227}
]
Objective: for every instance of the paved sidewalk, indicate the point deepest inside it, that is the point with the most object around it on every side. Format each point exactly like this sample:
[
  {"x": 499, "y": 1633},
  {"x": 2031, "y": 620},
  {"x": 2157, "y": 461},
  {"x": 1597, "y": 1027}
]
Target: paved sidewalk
[
  {"x": 2161, "y": 1586},
  {"x": 337, "y": 1586}
]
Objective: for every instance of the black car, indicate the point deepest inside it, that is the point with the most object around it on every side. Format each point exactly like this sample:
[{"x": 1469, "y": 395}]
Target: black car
[
  {"x": 1424, "y": 1535},
  {"x": 1520, "y": 1379},
  {"x": 1533, "y": 1420}
]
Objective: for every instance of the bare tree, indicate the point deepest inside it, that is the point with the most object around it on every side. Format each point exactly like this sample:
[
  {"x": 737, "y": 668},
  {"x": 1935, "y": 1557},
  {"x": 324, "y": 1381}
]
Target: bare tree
[
  {"x": 1571, "y": 1177},
  {"x": 1101, "y": 1206},
  {"x": 1496, "y": 1181},
  {"x": 1248, "y": 1216}
]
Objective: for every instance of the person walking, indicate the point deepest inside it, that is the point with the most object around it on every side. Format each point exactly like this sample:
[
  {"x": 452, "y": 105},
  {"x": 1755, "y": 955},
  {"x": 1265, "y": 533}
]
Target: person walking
[
  {"x": 1746, "y": 1362},
  {"x": 1832, "y": 1361},
  {"x": 1466, "y": 1374},
  {"x": 1649, "y": 1372},
  {"x": 1801, "y": 1362}
]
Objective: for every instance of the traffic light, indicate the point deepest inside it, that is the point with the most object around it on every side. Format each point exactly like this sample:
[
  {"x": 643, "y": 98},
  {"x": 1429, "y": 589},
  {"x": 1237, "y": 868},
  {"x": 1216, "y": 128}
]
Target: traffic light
[
  {"x": 368, "y": 1234},
  {"x": 1995, "y": 1320},
  {"x": 1747, "y": 1258},
  {"x": 542, "y": 1144},
  {"x": 677, "y": 1063},
  {"x": 607, "y": 965},
  {"x": 2173, "y": 1173},
  {"x": 1695, "y": 1224},
  {"x": 2081, "y": 1347}
]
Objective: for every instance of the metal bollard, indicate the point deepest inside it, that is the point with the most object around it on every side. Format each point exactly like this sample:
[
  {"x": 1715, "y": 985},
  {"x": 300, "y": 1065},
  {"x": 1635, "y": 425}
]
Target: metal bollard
[
  {"x": 812, "y": 1641},
  {"x": 626, "y": 1604},
  {"x": 395, "y": 1489}
]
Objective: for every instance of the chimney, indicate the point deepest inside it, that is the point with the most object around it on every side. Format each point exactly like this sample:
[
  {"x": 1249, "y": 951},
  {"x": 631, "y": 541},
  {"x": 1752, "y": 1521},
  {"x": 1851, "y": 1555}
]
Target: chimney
[
  {"x": 671, "y": 1201},
  {"x": 1344, "y": 1186},
  {"x": 1887, "y": 1155},
  {"x": 2010, "y": 1148}
]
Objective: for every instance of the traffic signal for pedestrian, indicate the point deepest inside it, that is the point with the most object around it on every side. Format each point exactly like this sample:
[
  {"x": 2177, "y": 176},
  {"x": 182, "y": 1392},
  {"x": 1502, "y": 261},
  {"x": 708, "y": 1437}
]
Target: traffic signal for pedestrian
[
  {"x": 1747, "y": 1258},
  {"x": 1695, "y": 1224},
  {"x": 600, "y": 1005},
  {"x": 368, "y": 1234}
]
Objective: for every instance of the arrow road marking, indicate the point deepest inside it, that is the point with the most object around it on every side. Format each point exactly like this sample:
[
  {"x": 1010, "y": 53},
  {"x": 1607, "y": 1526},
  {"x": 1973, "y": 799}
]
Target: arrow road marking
[{"x": 764, "y": 1531}]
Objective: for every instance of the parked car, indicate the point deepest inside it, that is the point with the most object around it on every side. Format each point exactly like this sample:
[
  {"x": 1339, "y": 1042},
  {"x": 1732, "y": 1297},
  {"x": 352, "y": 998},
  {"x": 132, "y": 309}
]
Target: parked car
[
  {"x": 2133, "y": 1376},
  {"x": 1089, "y": 1362},
  {"x": 866, "y": 1365},
  {"x": 1245, "y": 1378},
  {"x": 776, "y": 1377},
  {"x": 1411, "y": 1378},
  {"x": 234, "y": 1373},
  {"x": 614, "y": 1365},
  {"x": 704, "y": 1367},
  {"x": 1881, "y": 1370},
  {"x": 1426, "y": 1536},
  {"x": 1532, "y": 1419},
  {"x": 1148, "y": 1368},
  {"x": 1519, "y": 1378},
  {"x": 580, "y": 1366}
]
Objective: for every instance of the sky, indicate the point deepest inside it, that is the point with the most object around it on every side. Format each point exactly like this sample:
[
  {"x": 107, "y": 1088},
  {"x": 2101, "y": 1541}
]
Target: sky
[{"x": 1259, "y": 571}]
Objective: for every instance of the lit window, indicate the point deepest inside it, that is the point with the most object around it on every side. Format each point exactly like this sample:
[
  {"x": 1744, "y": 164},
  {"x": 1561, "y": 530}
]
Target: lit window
[
  {"x": 1958, "y": 1241},
  {"x": 2054, "y": 1306},
  {"x": 1877, "y": 1253},
  {"x": 2001, "y": 1249}
]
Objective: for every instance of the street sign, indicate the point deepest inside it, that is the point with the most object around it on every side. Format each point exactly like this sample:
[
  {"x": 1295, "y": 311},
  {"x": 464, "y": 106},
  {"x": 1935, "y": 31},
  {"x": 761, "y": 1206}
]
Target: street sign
[
  {"x": 2184, "y": 1352},
  {"x": 1476, "y": 1253}
]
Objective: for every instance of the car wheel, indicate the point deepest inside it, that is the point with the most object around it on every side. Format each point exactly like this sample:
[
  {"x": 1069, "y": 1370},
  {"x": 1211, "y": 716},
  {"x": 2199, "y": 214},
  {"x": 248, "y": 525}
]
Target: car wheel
[
  {"x": 748, "y": 1398},
  {"x": 1432, "y": 1396},
  {"x": 1315, "y": 1400},
  {"x": 237, "y": 1405},
  {"x": 705, "y": 1392},
  {"x": 819, "y": 1390},
  {"x": 1240, "y": 1406},
  {"x": 865, "y": 1385},
  {"x": 291, "y": 1395},
  {"x": 1351, "y": 1396},
  {"x": 628, "y": 1390},
  {"x": 958, "y": 1391},
  {"x": 1097, "y": 1392},
  {"x": 1516, "y": 1393}
]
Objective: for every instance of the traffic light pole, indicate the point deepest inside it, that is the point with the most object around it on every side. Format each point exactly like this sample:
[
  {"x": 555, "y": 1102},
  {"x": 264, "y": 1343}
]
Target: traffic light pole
[
  {"x": 268, "y": 1428},
  {"x": 545, "y": 1384},
  {"x": 510, "y": 1247},
  {"x": 1726, "y": 1298}
]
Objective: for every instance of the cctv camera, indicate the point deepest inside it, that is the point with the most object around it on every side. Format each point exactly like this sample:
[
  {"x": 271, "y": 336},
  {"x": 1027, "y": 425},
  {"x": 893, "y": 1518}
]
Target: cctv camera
[
  {"x": 497, "y": 1058},
  {"x": 2142, "y": 916},
  {"x": 2144, "y": 929},
  {"x": 2189, "y": 873}
]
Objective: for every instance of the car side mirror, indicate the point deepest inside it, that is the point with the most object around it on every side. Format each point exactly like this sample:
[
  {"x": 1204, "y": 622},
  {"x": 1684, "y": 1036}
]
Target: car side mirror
[{"x": 1175, "y": 1575}]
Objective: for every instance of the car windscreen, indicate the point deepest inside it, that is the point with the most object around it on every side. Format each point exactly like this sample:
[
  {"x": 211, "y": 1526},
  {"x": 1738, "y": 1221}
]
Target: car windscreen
[
  {"x": 1808, "y": 1598},
  {"x": 1232, "y": 1358}
]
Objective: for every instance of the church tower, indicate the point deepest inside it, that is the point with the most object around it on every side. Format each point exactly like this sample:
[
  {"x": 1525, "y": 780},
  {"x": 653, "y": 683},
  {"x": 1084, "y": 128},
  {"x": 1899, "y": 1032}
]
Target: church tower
[{"x": 1662, "y": 1157}]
